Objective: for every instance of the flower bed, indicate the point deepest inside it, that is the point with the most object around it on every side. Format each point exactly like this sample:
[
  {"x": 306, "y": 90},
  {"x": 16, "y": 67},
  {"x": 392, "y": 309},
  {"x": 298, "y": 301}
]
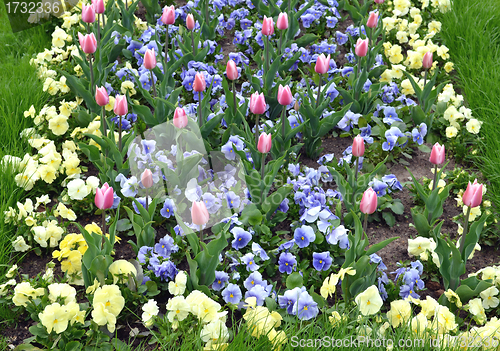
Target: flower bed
[{"x": 207, "y": 198}]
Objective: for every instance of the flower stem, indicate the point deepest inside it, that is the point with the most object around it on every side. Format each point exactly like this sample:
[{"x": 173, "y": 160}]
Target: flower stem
[
  {"x": 98, "y": 31},
  {"x": 103, "y": 223},
  {"x": 192, "y": 39},
  {"x": 283, "y": 119},
  {"x": 267, "y": 54},
  {"x": 281, "y": 42},
  {"x": 120, "y": 134},
  {"x": 355, "y": 181},
  {"x": 319, "y": 91},
  {"x": 200, "y": 121},
  {"x": 201, "y": 236},
  {"x": 153, "y": 84},
  {"x": 166, "y": 51},
  {"x": 434, "y": 184},
  {"x": 234, "y": 99},
  {"x": 103, "y": 122},
  {"x": 91, "y": 75},
  {"x": 365, "y": 222},
  {"x": 147, "y": 200},
  {"x": 103, "y": 20},
  {"x": 262, "y": 166},
  {"x": 466, "y": 228},
  {"x": 257, "y": 129}
]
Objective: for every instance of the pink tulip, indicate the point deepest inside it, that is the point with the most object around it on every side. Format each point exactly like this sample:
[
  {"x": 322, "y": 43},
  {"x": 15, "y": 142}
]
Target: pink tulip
[
  {"x": 368, "y": 203},
  {"x": 180, "y": 118},
  {"x": 190, "y": 22},
  {"x": 88, "y": 14},
  {"x": 231, "y": 70},
  {"x": 104, "y": 197},
  {"x": 427, "y": 60},
  {"x": 379, "y": 1},
  {"x": 101, "y": 96},
  {"x": 284, "y": 95},
  {"x": 473, "y": 195},
  {"x": 322, "y": 64},
  {"x": 257, "y": 103},
  {"x": 121, "y": 106},
  {"x": 88, "y": 42},
  {"x": 282, "y": 22},
  {"x": 437, "y": 154},
  {"x": 98, "y": 6},
  {"x": 265, "y": 143},
  {"x": 150, "y": 59},
  {"x": 168, "y": 15},
  {"x": 361, "y": 47},
  {"x": 147, "y": 178},
  {"x": 199, "y": 82},
  {"x": 199, "y": 213},
  {"x": 267, "y": 26},
  {"x": 358, "y": 146},
  {"x": 372, "y": 20}
]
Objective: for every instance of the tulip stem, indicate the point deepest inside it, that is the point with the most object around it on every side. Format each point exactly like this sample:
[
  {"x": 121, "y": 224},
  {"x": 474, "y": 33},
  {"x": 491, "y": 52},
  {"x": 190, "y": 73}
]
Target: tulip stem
[
  {"x": 91, "y": 75},
  {"x": 166, "y": 51},
  {"x": 103, "y": 123},
  {"x": 120, "y": 134},
  {"x": 434, "y": 184},
  {"x": 98, "y": 31},
  {"x": 283, "y": 119},
  {"x": 355, "y": 181},
  {"x": 200, "y": 120},
  {"x": 192, "y": 39},
  {"x": 267, "y": 55},
  {"x": 466, "y": 228},
  {"x": 153, "y": 83},
  {"x": 365, "y": 222},
  {"x": 281, "y": 42},
  {"x": 201, "y": 236},
  {"x": 319, "y": 91},
  {"x": 234, "y": 98},
  {"x": 103, "y": 20},
  {"x": 126, "y": 5},
  {"x": 262, "y": 166},
  {"x": 147, "y": 198},
  {"x": 257, "y": 130},
  {"x": 207, "y": 18},
  {"x": 103, "y": 223}
]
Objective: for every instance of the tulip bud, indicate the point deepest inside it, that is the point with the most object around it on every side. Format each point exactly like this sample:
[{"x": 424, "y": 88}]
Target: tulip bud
[
  {"x": 361, "y": 47},
  {"x": 88, "y": 42},
  {"x": 121, "y": 106},
  {"x": 284, "y": 95},
  {"x": 267, "y": 26},
  {"x": 322, "y": 64},
  {"x": 427, "y": 60},
  {"x": 150, "y": 59},
  {"x": 88, "y": 14},
  {"x": 180, "y": 118},
  {"x": 168, "y": 15},
  {"x": 147, "y": 178},
  {"x": 199, "y": 82},
  {"x": 265, "y": 143},
  {"x": 473, "y": 195},
  {"x": 282, "y": 22},
  {"x": 199, "y": 213},
  {"x": 231, "y": 70},
  {"x": 98, "y": 6},
  {"x": 104, "y": 197},
  {"x": 379, "y": 1},
  {"x": 358, "y": 146},
  {"x": 257, "y": 103},
  {"x": 368, "y": 203},
  {"x": 296, "y": 106},
  {"x": 437, "y": 154},
  {"x": 372, "y": 20},
  {"x": 190, "y": 24},
  {"x": 101, "y": 96}
]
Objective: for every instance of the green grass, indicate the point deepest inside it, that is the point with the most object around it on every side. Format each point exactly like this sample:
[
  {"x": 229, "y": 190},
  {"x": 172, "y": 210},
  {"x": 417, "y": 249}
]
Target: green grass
[
  {"x": 19, "y": 89},
  {"x": 472, "y": 33}
]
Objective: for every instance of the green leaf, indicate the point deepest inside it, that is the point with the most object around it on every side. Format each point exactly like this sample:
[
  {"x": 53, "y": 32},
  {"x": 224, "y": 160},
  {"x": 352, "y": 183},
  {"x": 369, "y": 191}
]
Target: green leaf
[
  {"x": 73, "y": 346},
  {"x": 294, "y": 280},
  {"x": 389, "y": 218},
  {"x": 424, "y": 148},
  {"x": 397, "y": 207},
  {"x": 375, "y": 248}
]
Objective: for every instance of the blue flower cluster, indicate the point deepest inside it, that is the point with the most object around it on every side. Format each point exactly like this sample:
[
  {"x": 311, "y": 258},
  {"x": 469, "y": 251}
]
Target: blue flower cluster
[
  {"x": 157, "y": 258},
  {"x": 410, "y": 279}
]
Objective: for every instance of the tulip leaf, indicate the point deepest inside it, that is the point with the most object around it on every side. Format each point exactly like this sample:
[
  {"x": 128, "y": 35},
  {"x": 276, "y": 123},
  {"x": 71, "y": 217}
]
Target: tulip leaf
[{"x": 294, "y": 280}]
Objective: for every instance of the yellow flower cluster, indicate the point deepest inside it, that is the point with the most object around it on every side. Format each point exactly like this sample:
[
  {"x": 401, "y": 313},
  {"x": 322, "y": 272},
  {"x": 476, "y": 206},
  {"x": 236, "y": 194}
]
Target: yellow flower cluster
[
  {"x": 330, "y": 283},
  {"x": 262, "y": 322},
  {"x": 214, "y": 331},
  {"x": 108, "y": 302}
]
